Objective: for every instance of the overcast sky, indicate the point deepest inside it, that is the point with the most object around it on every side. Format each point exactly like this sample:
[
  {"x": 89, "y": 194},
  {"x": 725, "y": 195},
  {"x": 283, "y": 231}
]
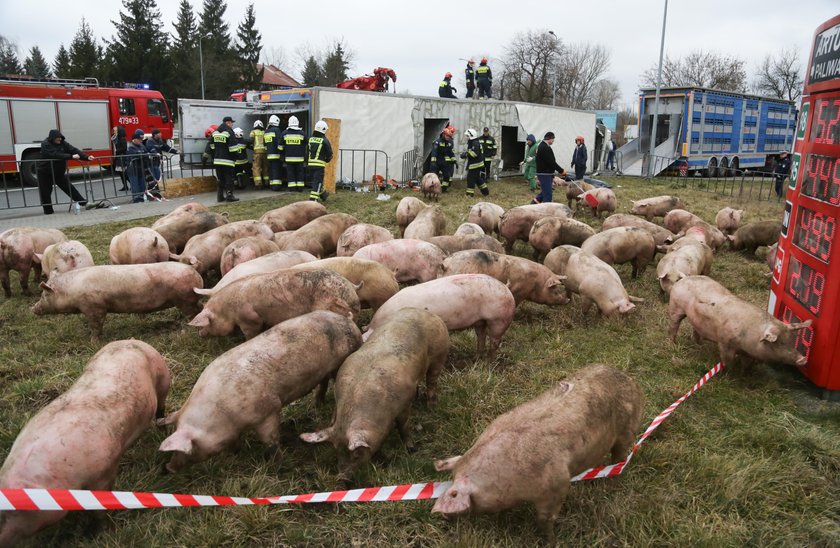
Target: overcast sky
[{"x": 423, "y": 40}]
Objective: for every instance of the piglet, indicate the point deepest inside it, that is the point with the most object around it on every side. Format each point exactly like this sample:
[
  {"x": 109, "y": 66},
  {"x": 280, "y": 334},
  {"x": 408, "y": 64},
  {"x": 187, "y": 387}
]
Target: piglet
[
  {"x": 63, "y": 257},
  {"x": 18, "y": 247},
  {"x": 430, "y": 186},
  {"x": 138, "y": 245}
]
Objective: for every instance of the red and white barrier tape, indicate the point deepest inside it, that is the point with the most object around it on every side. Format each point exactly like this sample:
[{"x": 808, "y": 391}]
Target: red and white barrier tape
[{"x": 73, "y": 499}]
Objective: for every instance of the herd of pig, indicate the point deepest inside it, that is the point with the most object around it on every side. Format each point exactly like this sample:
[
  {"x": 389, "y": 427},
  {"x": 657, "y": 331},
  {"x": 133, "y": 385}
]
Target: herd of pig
[{"x": 282, "y": 289}]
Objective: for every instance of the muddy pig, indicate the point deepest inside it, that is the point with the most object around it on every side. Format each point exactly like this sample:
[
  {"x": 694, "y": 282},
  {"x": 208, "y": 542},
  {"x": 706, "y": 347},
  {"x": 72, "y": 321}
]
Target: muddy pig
[
  {"x": 737, "y": 326},
  {"x": 462, "y": 301},
  {"x": 78, "y": 439},
  {"x": 752, "y": 235},
  {"x": 573, "y": 189},
  {"x": 204, "y": 251},
  {"x": 656, "y": 207},
  {"x": 527, "y": 280},
  {"x": 376, "y": 282},
  {"x": 63, "y": 257},
  {"x": 18, "y": 247},
  {"x": 660, "y": 235},
  {"x": 688, "y": 260},
  {"x": 602, "y": 198},
  {"x": 244, "y": 250},
  {"x": 430, "y": 186},
  {"x": 550, "y": 232},
  {"x": 677, "y": 220},
  {"x": 562, "y": 433},
  {"x": 263, "y": 300},
  {"x": 516, "y": 223},
  {"x": 453, "y": 244},
  {"x": 320, "y": 236},
  {"x": 486, "y": 215},
  {"x": 247, "y": 387},
  {"x": 468, "y": 228},
  {"x": 135, "y": 288},
  {"x": 293, "y": 216},
  {"x": 410, "y": 260},
  {"x": 622, "y": 245},
  {"x": 185, "y": 222},
  {"x": 138, "y": 245},
  {"x": 728, "y": 220},
  {"x": 376, "y": 385},
  {"x": 267, "y": 263},
  {"x": 358, "y": 236},
  {"x": 407, "y": 211},
  {"x": 429, "y": 223}
]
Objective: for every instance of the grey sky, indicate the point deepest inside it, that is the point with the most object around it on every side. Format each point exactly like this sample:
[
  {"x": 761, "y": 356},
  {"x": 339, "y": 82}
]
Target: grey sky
[{"x": 421, "y": 41}]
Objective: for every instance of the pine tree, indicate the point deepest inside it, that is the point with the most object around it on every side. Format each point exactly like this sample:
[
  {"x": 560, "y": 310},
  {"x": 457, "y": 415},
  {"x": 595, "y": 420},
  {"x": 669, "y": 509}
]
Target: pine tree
[
  {"x": 221, "y": 71},
  {"x": 85, "y": 54},
  {"x": 312, "y": 74},
  {"x": 62, "y": 66},
  {"x": 139, "y": 50},
  {"x": 35, "y": 65},
  {"x": 211, "y": 24},
  {"x": 335, "y": 66},
  {"x": 184, "y": 54},
  {"x": 9, "y": 63},
  {"x": 248, "y": 49}
]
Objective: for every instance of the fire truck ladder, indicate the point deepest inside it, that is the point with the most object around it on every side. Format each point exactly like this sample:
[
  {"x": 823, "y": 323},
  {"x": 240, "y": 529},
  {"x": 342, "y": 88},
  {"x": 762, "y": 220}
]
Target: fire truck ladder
[{"x": 67, "y": 82}]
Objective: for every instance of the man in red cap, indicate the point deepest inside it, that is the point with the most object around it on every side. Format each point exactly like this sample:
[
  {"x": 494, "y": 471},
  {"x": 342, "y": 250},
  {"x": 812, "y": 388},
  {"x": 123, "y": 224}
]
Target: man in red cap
[
  {"x": 445, "y": 89},
  {"x": 579, "y": 158}
]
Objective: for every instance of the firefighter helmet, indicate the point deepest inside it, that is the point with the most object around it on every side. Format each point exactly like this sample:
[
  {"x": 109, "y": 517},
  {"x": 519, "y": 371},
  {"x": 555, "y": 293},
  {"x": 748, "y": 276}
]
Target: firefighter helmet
[
  {"x": 237, "y": 132},
  {"x": 484, "y": 60},
  {"x": 450, "y": 130},
  {"x": 293, "y": 122},
  {"x": 447, "y": 76},
  {"x": 321, "y": 126},
  {"x": 274, "y": 120},
  {"x": 471, "y": 134},
  {"x": 209, "y": 131},
  {"x": 258, "y": 124}
]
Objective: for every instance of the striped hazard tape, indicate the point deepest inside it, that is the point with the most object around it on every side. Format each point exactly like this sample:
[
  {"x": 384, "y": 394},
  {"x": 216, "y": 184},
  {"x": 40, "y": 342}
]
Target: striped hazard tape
[{"x": 73, "y": 499}]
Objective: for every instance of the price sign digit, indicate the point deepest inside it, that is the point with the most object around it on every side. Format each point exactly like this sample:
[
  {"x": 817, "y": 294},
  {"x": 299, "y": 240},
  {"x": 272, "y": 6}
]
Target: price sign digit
[
  {"x": 803, "y": 121},
  {"x": 794, "y": 171}
]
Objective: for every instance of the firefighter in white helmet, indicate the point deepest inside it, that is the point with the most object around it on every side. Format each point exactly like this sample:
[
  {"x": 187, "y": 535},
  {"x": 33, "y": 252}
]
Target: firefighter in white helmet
[
  {"x": 293, "y": 147},
  {"x": 475, "y": 164},
  {"x": 259, "y": 167},
  {"x": 319, "y": 154},
  {"x": 240, "y": 159},
  {"x": 273, "y": 153}
]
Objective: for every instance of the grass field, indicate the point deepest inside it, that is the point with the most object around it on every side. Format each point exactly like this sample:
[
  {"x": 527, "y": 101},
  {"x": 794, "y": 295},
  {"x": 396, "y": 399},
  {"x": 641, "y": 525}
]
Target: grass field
[{"x": 751, "y": 459}]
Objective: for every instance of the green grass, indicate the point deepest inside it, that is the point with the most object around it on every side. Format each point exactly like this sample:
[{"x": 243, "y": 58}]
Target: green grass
[{"x": 752, "y": 459}]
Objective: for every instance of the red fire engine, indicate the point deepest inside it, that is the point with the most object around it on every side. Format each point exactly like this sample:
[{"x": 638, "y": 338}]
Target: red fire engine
[{"x": 81, "y": 109}]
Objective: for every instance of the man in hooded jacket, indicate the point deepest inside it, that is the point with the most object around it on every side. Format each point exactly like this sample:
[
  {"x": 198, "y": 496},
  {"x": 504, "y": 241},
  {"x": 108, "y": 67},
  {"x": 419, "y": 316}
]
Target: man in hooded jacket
[{"x": 52, "y": 169}]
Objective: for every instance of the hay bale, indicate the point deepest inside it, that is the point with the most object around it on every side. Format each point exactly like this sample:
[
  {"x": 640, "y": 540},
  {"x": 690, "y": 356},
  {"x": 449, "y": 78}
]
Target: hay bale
[{"x": 188, "y": 186}]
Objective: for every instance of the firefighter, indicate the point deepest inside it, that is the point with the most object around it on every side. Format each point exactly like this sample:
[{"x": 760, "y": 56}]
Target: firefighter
[
  {"x": 273, "y": 155},
  {"x": 475, "y": 164},
  {"x": 443, "y": 157},
  {"x": 259, "y": 168},
  {"x": 488, "y": 147},
  {"x": 446, "y": 90},
  {"x": 484, "y": 79},
  {"x": 293, "y": 146},
  {"x": 207, "y": 155},
  {"x": 319, "y": 154},
  {"x": 469, "y": 74},
  {"x": 155, "y": 146},
  {"x": 224, "y": 149},
  {"x": 240, "y": 159},
  {"x": 55, "y": 152}
]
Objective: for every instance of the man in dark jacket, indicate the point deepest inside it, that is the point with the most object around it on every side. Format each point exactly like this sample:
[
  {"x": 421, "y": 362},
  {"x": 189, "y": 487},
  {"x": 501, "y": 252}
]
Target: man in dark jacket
[
  {"x": 292, "y": 146},
  {"x": 546, "y": 166},
  {"x": 484, "y": 79},
  {"x": 781, "y": 172},
  {"x": 52, "y": 168},
  {"x": 475, "y": 164},
  {"x": 469, "y": 74},
  {"x": 443, "y": 157},
  {"x": 119, "y": 145},
  {"x": 445, "y": 89},
  {"x": 488, "y": 146},
  {"x": 579, "y": 158},
  {"x": 137, "y": 164},
  {"x": 225, "y": 146},
  {"x": 319, "y": 154},
  {"x": 155, "y": 146}
]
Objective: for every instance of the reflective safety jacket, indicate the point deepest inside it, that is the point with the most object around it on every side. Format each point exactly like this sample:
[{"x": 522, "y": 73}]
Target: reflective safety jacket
[
  {"x": 475, "y": 158},
  {"x": 488, "y": 146},
  {"x": 272, "y": 142},
  {"x": 446, "y": 90},
  {"x": 469, "y": 74},
  {"x": 483, "y": 73},
  {"x": 443, "y": 151},
  {"x": 240, "y": 155},
  {"x": 258, "y": 139},
  {"x": 320, "y": 152},
  {"x": 225, "y": 146},
  {"x": 292, "y": 145}
]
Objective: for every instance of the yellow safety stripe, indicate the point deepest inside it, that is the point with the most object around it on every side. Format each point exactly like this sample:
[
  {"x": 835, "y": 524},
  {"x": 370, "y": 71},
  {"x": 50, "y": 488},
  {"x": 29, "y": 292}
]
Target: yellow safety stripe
[
  {"x": 293, "y": 160},
  {"x": 476, "y": 166},
  {"x": 221, "y": 162},
  {"x": 273, "y": 157},
  {"x": 317, "y": 163}
]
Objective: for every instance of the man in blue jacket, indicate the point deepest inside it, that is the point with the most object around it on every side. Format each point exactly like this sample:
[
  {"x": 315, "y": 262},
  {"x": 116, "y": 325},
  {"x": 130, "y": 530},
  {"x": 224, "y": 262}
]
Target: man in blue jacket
[
  {"x": 579, "y": 158},
  {"x": 155, "y": 146}
]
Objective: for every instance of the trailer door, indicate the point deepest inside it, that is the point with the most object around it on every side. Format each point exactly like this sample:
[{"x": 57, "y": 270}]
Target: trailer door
[
  {"x": 33, "y": 119},
  {"x": 85, "y": 124},
  {"x": 6, "y": 142}
]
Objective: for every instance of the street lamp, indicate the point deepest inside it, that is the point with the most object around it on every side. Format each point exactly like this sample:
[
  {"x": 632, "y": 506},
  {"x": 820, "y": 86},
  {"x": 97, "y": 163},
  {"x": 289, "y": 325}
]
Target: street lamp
[
  {"x": 201, "y": 63},
  {"x": 656, "y": 100},
  {"x": 554, "y": 80}
]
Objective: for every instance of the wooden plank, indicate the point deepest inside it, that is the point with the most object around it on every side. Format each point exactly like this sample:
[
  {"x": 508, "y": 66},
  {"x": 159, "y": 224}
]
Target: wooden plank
[{"x": 333, "y": 135}]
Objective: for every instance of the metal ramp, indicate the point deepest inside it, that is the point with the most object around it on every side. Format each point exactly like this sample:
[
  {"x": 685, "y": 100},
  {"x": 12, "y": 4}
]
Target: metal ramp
[{"x": 634, "y": 162}]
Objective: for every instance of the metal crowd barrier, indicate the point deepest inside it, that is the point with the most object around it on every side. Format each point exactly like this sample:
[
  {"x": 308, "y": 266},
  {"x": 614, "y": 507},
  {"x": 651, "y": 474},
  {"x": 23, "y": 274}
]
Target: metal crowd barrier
[{"x": 359, "y": 165}]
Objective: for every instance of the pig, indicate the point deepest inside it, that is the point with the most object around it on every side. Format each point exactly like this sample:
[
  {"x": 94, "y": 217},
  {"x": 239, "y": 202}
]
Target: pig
[
  {"x": 204, "y": 251},
  {"x": 293, "y": 216},
  {"x": 410, "y": 260},
  {"x": 594, "y": 280},
  {"x": 376, "y": 282},
  {"x": 264, "y": 300},
  {"x": 656, "y": 207},
  {"x": 752, "y": 235},
  {"x": 573, "y": 189},
  {"x": 267, "y": 263},
  {"x": 97, "y": 290},
  {"x": 703, "y": 232},
  {"x": 18, "y": 247},
  {"x": 453, "y": 244},
  {"x": 550, "y": 232},
  {"x": 677, "y": 220},
  {"x": 689, "y": 260},
  {"x": 375, "y": 386},
  {"x": 486, "y": 215},
  {"x": 468, "y": 228},
  {"x": 429, "y": 223},
  {"x": 622, "y": 245},
  {"x": 430, "y": 186},
  {"x": 138, "y": 245},
  {"x": 532, "y": 452},
  {"x": 660, "y": 235},
  {"x": 603, "y": 198},
  {"x": 728, "y": 220},
  {"x": 407, "y": 211},
  {"x": 516, "y": 223},
  {"x": 771, "y": 256},
  {"x": 247, "y": 387},
  {"x": 280, "y": 238},
  {"x": 185, "y": 222},
  {"x": 78, "y": 439},
  {"x": 526, "y": 279},
  {"x": 358, "y": 236},
  {"x": 462, "y": 301},
  {"x": 63, "y": 257},
  {"x": 244, "y": 250},
  {"x": 320, "y": 236},
  {"x": 739, "y": 328}
]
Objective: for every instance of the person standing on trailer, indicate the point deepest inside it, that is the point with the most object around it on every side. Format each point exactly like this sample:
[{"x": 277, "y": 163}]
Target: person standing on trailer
[
  {"x": 272, "y": 154},
  {"x": 475, "y": 164},
  {"x": 469, "y": 74},
  {"x": 488, "y": 145},
  {"x": 52, "y": 169},
  {"x": 259, "y": 168},
  {"x": 293, "y": 147},
  {"x": 579, "y": 158},
  {"x": 484, "y": 79},
  {"x": 445, "y": 89},
  {"x": 443, "y": 157},
  {"x": 223, "y": 160},
  {"x": 319, "y": 154}
]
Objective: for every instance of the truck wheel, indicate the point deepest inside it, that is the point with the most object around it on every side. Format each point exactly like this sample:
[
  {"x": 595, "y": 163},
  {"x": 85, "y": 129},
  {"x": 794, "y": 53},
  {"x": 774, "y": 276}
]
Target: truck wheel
[
  {"x": 733, "y": 166},
  {"x": 28, "y": 167},
  {"x": 711, "y": 171}
]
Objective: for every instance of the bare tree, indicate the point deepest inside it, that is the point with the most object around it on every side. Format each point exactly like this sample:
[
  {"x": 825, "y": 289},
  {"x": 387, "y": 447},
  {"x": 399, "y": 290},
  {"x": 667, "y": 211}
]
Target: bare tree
[
  {"x": 780, "y": 76},
  {"x": 275, "y": 55},
  {"x": 605, "y": 94},
  {"x": 527, "y": 66},
  {"x": 580, "y": 67},
  {"x": 700, "y": 69}
]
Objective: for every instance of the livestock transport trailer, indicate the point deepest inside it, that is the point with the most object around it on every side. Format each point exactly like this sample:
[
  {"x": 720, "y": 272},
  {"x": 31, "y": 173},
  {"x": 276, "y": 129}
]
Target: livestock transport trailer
[{"x": 716, "y": 132}]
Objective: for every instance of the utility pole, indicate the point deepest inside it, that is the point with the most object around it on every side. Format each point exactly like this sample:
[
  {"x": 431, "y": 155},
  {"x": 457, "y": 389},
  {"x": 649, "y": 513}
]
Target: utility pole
[
  {"x": 656, "y": 99},
  {"x": 554, "y": 72}
]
